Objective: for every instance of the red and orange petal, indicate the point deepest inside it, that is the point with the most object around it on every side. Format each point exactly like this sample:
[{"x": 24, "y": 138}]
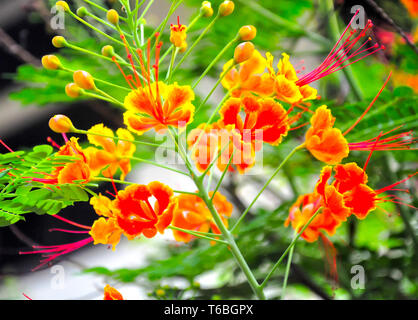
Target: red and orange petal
[
  {"x": 103, "y": 206},
  {"x": 348, "y": 176},
  {"x": 74, "y": 172},
  {"x": 111, "y": 293},
  {"x": 303, "y": 209},
  {"x": 361, "y": 200},
  {"x": 325, "y": 143},
  {"x": 106, "y": 231},
  {"x": 150, "y": 107},
  {"x": 249, "y": 77},
  {"x": 192, "y": 214},
  {"x": 137, "y": 216}
]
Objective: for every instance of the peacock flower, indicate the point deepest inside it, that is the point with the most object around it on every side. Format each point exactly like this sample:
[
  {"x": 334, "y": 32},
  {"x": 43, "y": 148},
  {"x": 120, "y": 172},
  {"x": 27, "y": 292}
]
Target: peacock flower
[
  {"x": 347, "y": 195},
  {"x": 328, "y": 144},
  {"x": 285, "y": 87},
  {"x": 154, "y": 104},
  {"x": 265, "y": 121},
  {"x": 178, "y": 34},
  {"x": 77, "y": 171},
  {"x": 250, "y": 77},
  {"x": 136, "y": 215},
  {"x": 111, "y": 293},
  {"x": 193, "y": 214},
  {"x": 303, "y": 210},
  {"x": 323, "y": 141},
  {"x": 112, "y": 155}
]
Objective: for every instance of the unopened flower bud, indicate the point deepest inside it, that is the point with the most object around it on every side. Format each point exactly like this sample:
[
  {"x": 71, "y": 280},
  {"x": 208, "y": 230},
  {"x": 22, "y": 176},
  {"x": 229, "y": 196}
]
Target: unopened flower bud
[
  {"x": 59, "y": 42},
  {"x": 243, "y": 52},
  {"x": 206, "y": 9},
  {"x": 112, "y": 16},
  {"x": 61, "y": 124},
  {"x": 108, "y": 51},
  {"x": 73, "y": 90},
  {"x": 84, "y": 80},
  {"x": 62, "y": 5},
  {"x": 51, "y": 62},
  {"x": 82, "y": 12},
  {"x": 226, "y": 8},
  {"x": 247, "y": 33}
]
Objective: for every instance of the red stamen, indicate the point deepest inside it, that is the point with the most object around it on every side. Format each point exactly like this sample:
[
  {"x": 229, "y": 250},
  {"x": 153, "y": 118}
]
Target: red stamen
[
  {"x": 123, "y": 73},
  {"x": 371, "y": 151},
  {"x": 370, "y": 105},
  {"x": 390, "y": 187},
  {"x": 53, "y": 143},
  {"x": 340, "y": 54}
]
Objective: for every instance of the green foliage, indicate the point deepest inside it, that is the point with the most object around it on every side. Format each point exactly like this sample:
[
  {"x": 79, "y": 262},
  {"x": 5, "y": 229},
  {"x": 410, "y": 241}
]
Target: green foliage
[{"x": 20, "y": 194}]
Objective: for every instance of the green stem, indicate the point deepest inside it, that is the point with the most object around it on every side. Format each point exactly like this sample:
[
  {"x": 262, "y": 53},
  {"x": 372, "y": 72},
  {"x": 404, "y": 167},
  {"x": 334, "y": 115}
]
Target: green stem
[
  {"x": 214, "y": 61},
  {"x": 277, "y": 264},
  {"x": 265, "y": 185},
  {"x": 79, "y": 131},
  {"x": 222, "y": 176},
  {"x": 286, "y": 275},
  {"x": 97, "y": 96},
  {"x": 158, "y": 165},
  {"x": 199, "y": 235}
]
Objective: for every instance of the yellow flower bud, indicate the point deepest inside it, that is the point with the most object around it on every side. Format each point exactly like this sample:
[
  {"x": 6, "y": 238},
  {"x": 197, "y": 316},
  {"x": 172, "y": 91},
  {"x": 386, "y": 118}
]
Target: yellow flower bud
[
  {"x": 84, "y": 80},
  {"x": 59, "y": 42},
  {"x": 63, "y": 5},
  {"x": 226, "y": 8},
  {"x": 112, "y": 16},
  {"x": 82, "y": 12},
  {"x": 61, "y": 124},
  {"x": 206, "y": 9},
  {"x": 247, "y": 33},
  {"x": 51, "y": 62},
  {"x": 72, "y": 90},
  {"x": 178, "y": 35},
  {"x": 108, "y": 51},
  {"x": 243, "y": 52}
]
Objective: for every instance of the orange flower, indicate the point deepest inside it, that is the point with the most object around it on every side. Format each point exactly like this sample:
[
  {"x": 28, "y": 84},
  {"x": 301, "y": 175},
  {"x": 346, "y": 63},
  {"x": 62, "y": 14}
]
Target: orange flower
[
  {"x": 325, "y": 143},
  {"x": 158, "y": 106},
  {"x": 111, "y": 293},
  {"x": 113, "y": 155},
  {"x": 193, "y": 214},
  {"x": 265, "y": 121},
  {"x": 136, "y": 215},
  {"x": 154, "y": 105},
  {"x": 285, "y": 87},
  {"x": 75, "y": 171},
  {"x": 105, "y": 229},
  {"x": 328, "y": 144},
  {"x": 303, "y": 209},
  {"x": 250, "y": 77}
]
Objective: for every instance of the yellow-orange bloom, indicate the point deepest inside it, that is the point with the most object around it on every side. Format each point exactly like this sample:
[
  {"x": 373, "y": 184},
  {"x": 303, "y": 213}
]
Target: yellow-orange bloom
[
  {"x": 111, "y": 293},
  {"x": 113, "y": 155},
  {"x": 411, "y": 6},
  {"x": 178, "y": 34},
  {"x": 193, "y": 214},
  {"x": 250, "y": 77},
  {"x": 158, "y": 106},
  {"x": 285, "y": 82},
  {"x": 265, "y": 121},
  {"x": 136, "y": 215},
  {"x": 325, "y": 142}
]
